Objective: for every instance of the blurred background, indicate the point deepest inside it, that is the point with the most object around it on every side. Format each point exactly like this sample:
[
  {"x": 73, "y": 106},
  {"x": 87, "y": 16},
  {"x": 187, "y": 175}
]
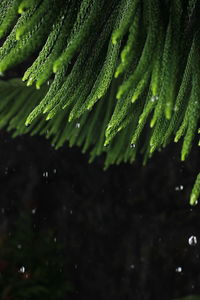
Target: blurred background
[{"x": 69, "y": 230}]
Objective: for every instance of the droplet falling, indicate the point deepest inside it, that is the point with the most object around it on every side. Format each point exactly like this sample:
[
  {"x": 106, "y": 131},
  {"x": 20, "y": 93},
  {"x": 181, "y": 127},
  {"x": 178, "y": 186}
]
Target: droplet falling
[
  {"x": 133, "y": 146},
  {"x": 179, "y": 188},
  {"x": 178, "y": 269},
  {"x": 34, "y": 211},
  {"x": 22, "y": 269},
  {"x": 46, "y": 174},
  {"x": 192, "y": 241},
  {"x": 154, "y": 98}
]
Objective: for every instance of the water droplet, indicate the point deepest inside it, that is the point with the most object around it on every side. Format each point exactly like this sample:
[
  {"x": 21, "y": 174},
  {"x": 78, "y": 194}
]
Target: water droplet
[
  {"x": 195, "y": 203},
  {"x": 192, "y": 241},
  {"x": 34, "y": 211},
  {"x": 178, "y": 269},
  {"x": 154, "y": 98},
  {"x": 48, "y": 82},
  {"x": 133, "y": 145},
  {"x": 78, "y": 125},
  {"x": 179, "y": 188},
  {"x": 55, "y": 240},
  {"x": 63, "y": 17},
  {"x": 132, "y": 266},
  {"x": 54, "y": 171},
  {"x": 19, "y": 246},
  {"x": 22, "y": 269},
  {"x": 45, "y": 174},
  {"x": 71, "y": 212}
]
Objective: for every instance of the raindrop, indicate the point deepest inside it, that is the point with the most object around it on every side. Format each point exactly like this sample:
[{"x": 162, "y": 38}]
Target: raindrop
[
  {"x": 71, "y": 212},
  {"x": 179, "y": 188},
  {"x": 133, "y": 145},
  {"x": 46, "y": 174},
  {"x": 54, "y": 171},
  {"x": 192, "y": 241},
  {"x": 55, "y": 240},
  {"x": 132, "y": 266},
  {"x": 178, "y": 269},
  {"x": 195, "y": 203},
  {"x": 34, "y": 211},
  {"x": 19, "y": 246},
  {"x": 48, "y": 82},
  {"x": 22, "y": 269},
  {"x": 154, "y": 98},
  {"x": 78, "y": 125}
]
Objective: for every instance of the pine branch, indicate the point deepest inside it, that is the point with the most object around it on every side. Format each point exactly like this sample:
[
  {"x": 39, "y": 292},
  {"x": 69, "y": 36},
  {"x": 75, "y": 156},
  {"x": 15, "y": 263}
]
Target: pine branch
[{"x": 125, "y": 71}]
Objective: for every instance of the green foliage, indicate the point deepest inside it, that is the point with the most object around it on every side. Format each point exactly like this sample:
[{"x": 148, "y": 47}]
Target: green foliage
[{"x": 126, "y": 71}]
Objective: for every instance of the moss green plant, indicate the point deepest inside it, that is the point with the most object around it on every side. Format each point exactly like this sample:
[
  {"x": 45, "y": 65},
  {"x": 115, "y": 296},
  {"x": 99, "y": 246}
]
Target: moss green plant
[{"x": 126, "y": 76}]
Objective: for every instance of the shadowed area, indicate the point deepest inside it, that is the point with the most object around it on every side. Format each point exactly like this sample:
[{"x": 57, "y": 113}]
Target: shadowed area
[{"x": 124, "y": 232}]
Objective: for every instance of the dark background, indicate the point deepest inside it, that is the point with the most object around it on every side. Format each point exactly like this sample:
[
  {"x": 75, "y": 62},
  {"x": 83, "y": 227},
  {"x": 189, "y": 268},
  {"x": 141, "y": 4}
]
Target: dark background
[{"x": 124, "y": 230}]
